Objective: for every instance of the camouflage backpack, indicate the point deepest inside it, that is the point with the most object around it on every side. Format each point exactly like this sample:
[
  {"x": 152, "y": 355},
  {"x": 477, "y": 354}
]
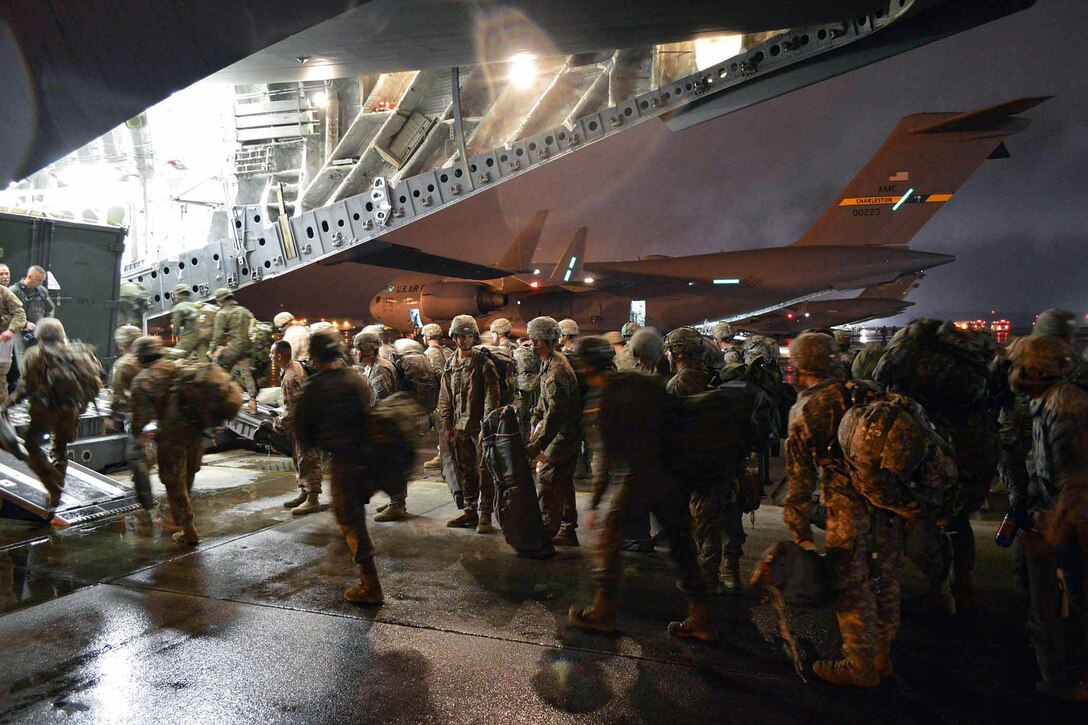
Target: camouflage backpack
[
  {"x": 204, "y": 396},
  {"x": 416, "y": 377},
  {"x": 389, "y": 444},
  {"x": 73, "y": 375},
  {"x": 768, "y": 378},
  {"x": 262, "y": 335},
  {"x": 505, "y": 367},
  {"x": 205, "y": 319},
  {"x": 527, "y": 368},
  {"x": 888, "y": 439}
]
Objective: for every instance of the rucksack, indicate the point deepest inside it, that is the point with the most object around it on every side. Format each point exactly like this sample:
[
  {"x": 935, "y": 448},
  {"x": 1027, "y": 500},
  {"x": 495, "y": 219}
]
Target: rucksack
[
  {"x": 261, "y": 335},
  {"x": 768, "y": 378},
  {"x": 73, "y": 375},
  {"x": 204, "y": 396},
  {"x": 416, "y": 377},
  {"x": 388, "y": 448},
  {"x": 505, "y": 367},
  {"x": 527, "y": 367},
  {"x": 888, "y": 440}
]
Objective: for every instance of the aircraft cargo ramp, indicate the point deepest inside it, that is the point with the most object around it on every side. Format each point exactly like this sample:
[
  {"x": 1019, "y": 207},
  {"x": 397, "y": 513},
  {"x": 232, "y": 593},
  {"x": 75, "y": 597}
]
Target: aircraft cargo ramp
[{"x": 353, "y": 228}]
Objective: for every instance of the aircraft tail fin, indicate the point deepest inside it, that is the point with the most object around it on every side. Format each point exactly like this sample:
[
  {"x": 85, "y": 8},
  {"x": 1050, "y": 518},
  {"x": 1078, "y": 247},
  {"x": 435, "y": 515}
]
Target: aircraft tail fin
[
  {"x": 519, "y": 255},
  {"x": 897, "y": 290},
  {"x": 918, "y": 169},
  {"x": 569, "y": 268}
]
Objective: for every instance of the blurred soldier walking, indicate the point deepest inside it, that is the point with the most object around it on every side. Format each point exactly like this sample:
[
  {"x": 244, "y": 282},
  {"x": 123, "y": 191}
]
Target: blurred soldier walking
[
  {"x": 185, "y": 319},
  {"x": 437, "y": 357},
  {"x": 307, "y": 463},
  {"x": 383, "y": 379},
  {"x": 331, "y": 416},
  {"x": 59, "y": 378},
  {"x": 556, "y": 426},
  {"x": 613, "y": 400},
  {"x": 125, "y": 368},
  {"x": 12, "y": 322},
  {"x": 469, "y": 392},
  {"x": 231, "y": 344}
]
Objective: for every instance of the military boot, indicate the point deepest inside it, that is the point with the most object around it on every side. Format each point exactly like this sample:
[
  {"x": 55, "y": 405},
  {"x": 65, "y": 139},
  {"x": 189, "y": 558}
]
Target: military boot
[
  {"x": 731, "y": 574},
  {"x": 599, "y": 617},
  {"x": 963, "y": 593},
  {"x": 699, "y": 623},
  {"x": 485, "y": 527},
  {"x": 858, "y": 671},
  {"x": 435, "y": 462},
  {"x": 566, "y": 536},
  {"x": 392, "y": 512},
  {"x": 187, "y": 536},
  {"x": 310, "y": 506},
  {"x": 883, "y": 662},
  {"x": 369, "y": 590},
  {"x": 467, "y": 520},
  {"x": 296, "y": 501}
]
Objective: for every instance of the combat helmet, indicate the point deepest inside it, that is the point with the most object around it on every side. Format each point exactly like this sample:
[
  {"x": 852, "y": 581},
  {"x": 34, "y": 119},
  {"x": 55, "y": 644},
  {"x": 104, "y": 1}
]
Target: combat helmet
[
  {"x": 432, "y": 330},
  {"x": 722, "y": 331},
  {"x": 501, "y": 326},
  {"x": 326, "y": 344},
  {"x": 647, "y": 346},
  {"x": 1039, "y": 360},
  {"x": 811, "y": 352},
  {"x": 407, "y": 346},
  {"x": 543, "y": 328},
  {"x": 629, "y": 329},
  {"x": 686, "y": 341},
  {"x": 759, "y": 347},
  {"x": 594, "y": 353},
  {"x": 182, "y": 291},
  {"x": 464, "y": 325},
  {"x": 1055, "y": 323},
  {"x": 281, "y": 319},
  {"x": 223, "y": 293},
  {"x": 568, "y": 327},
  {"x": 125, "y": 335},
  {"x": 366, "y": 341},
  {"x": 148, "y": 348}
]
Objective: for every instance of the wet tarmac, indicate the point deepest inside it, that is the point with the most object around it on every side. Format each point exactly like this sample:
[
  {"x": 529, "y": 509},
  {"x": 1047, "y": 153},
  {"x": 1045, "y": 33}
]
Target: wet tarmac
[{"x": 116, "y": 623}]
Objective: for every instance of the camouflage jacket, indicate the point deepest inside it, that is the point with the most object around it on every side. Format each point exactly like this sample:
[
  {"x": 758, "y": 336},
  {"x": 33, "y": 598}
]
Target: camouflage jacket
[
  {"x": 689, "y": 381},
  {"x": 437, "y": 357},
  {"x": 291, "y": 381},
  {"x": 1059, "y": 445},
  {"x": 125, "y": 370},
  {"x": 151, "y": 400},
  {"x": 625, "y": 359},
  {"x": 231, "y": 329},
  {"x": 382, "y": 376},
  {"x": 469, "y": 392},
  {"x": 184, "y": 316},
  {"x": 12, "y": 314},
  {"x": 557, "y": 410},
  {"x": 331, "y": 413}
]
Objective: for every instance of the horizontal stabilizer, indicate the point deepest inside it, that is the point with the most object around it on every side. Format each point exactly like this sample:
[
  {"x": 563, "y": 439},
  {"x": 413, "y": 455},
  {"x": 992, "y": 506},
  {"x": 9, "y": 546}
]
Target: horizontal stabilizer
[
  {"x": 993, "y": 118},
  {"x": 896, "y": 290},
  {"x": 519, "y": 257},
  {"x": 569, "y": 268},
  {"x": 410, "y": 259},
  {"x": 921, "y": 165}
]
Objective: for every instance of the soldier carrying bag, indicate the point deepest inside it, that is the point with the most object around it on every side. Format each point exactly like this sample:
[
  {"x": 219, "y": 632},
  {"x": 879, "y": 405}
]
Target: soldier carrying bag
[
  {"x": 73, "y": 374},
  {"x": 204, "y": 396}
]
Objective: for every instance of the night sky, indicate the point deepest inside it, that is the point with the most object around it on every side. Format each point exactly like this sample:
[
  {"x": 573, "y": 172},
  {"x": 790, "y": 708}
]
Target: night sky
[{"x": 759, "y": 177}]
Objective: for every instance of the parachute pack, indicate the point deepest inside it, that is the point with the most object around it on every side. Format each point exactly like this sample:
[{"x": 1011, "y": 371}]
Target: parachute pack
[
  {"x": 768, "y": 378},
  {"x": 73, "y": 375},
  {"x": 416, "y": 377},
  {"x": 887, "y": 438},
  {"x": 505, "y": 367},
  {"x": 204, "y": 395}
]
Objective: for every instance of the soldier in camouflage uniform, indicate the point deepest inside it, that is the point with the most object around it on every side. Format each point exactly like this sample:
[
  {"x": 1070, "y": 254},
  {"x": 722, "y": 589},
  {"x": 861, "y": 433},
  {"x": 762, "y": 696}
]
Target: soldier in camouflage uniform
[
  {"x": 528, "y": 384},
  {"x": 437, "y": 357},
  {"x": 732, "y": 352},
  {"x": 132, "y": 299},
  {"x": 632, "y": 457},
  {"x": 864, "y": 544},
  {"x": 1052, "y": 552},
  {"x": 556, "y": 422},
  {"x": 716, "y": 516},
  {"x": 684, "y": 348},
  {"x": 568, "y": 334},
  {"x": 379, "y": 372},
  {"x": 184, "y": 318},
  {"x": 48, "y": 416},
  {"x": 125, "y": 368},
  {"x": 232, "y": 347},
  {"x": 179, "y": 445},
  {"x": 12, "y": 322},
  {"x": 846, "y": 356},
  {"x": 501, "y": 329},
  {"x": 307, "y": 463},
  {"x": 331, "y": 416},
  {"x": 295, "y": 333},
  {"x": 625, "y": 359},
  {"x": 469, "y": 392}
]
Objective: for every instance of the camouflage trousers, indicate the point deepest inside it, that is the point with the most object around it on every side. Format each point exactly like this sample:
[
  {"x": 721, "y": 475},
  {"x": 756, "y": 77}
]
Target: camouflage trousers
[
  {"x": 179, "y": 461},
  {"x": 242, "y": 364},
  {"x": 63, "y": 425},
  {"x": 478, "y": 489},
  {"x": 717, "y": 530},
  {"x": 864, "y": 547},
  {"x": 649, "y": 490},
  {"x": 555, "y": 479},
  {"x": 349, "y": 484},
  {"x": 307, "y": 469}
]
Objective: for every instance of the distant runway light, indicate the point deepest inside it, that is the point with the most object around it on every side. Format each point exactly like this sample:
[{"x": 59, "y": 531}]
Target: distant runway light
[
  {"x": 807, "y": 315},
  {"x": 522, "y": 70}
]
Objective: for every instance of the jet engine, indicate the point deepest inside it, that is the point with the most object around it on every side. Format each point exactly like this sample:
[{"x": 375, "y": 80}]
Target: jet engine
[{"x": 445, "y": 300}]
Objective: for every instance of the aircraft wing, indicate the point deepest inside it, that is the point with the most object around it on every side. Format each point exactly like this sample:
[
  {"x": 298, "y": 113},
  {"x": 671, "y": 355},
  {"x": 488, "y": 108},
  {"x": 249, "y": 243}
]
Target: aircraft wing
[{"x": 379, "y": 253}]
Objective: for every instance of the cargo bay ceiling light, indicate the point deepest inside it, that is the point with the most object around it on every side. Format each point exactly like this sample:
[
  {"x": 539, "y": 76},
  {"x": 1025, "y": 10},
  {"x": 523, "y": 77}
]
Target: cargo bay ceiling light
[
  {"x": 523, "y": 70},
  {"x": 320, "y": 99}
]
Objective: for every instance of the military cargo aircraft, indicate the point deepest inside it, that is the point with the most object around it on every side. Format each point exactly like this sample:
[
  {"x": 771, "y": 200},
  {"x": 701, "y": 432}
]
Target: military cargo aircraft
[{"x": 859, "y": 241}]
